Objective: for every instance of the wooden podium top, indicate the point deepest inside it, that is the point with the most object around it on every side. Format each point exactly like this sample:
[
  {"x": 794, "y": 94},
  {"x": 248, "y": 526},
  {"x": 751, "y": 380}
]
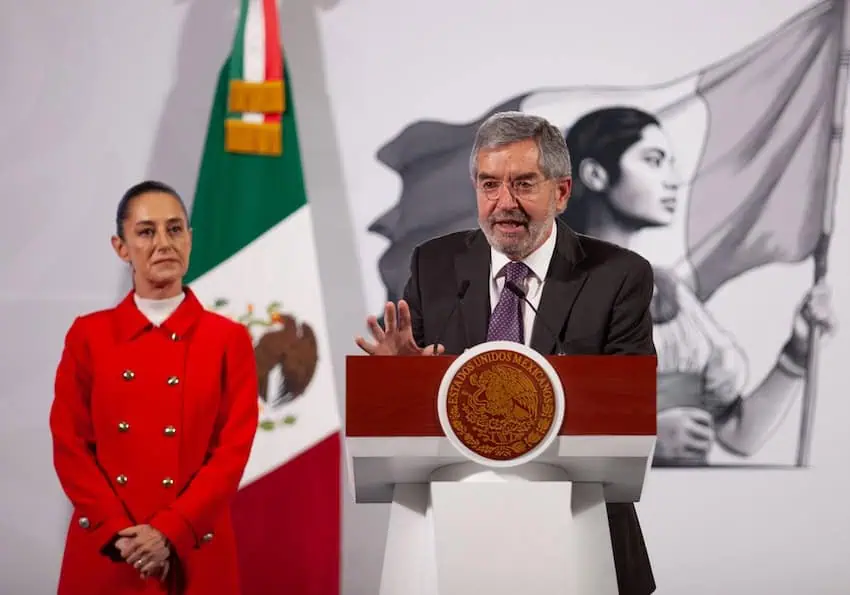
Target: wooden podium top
[{"x": 606, "y": 395}]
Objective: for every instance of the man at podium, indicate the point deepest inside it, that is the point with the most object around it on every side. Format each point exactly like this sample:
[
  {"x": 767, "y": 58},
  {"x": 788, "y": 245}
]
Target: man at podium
[{"x": 525, "y": 276}]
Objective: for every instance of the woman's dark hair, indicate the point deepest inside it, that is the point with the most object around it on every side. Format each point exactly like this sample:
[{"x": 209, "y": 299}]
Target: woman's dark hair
[
  {"x": 602, "y": 135},
  {"x": 136, "y": 191}
]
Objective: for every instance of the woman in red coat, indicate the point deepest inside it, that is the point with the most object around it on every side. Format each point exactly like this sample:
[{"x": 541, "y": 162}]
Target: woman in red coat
[{"x": 153, "y": 419}]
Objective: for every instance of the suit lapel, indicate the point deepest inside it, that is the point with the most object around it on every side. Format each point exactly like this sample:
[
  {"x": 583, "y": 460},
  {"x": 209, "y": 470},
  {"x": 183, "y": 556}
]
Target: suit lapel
[
  {"x": 474, "y": 265},
  {"x": 563, "y": 284}
]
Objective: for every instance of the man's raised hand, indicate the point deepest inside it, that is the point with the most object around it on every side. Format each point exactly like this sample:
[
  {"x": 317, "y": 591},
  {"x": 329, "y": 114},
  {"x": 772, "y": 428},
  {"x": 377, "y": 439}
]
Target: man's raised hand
[{"x": 396, "y": 338}]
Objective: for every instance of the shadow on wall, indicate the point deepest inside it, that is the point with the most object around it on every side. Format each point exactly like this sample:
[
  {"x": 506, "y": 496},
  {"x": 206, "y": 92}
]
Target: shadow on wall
[{"x": 205, "y": 41}]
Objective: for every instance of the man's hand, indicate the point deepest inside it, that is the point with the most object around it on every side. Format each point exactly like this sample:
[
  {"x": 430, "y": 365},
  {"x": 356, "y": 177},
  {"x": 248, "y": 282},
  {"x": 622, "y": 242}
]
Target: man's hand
[
  {"x": 144, "y": 548},
  {"x": 397, "y": 336}
]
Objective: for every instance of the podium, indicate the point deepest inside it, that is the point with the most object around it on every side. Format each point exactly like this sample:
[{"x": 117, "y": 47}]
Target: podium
[{"x": 498, "y": 464}]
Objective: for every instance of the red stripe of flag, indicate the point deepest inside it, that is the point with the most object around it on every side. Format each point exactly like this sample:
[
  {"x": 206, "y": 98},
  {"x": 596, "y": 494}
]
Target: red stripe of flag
[{"x": 274, "y": 57}]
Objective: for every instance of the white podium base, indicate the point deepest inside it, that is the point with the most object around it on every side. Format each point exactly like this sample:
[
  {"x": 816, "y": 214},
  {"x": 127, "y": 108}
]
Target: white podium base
[{"x": 474, "y": 530}]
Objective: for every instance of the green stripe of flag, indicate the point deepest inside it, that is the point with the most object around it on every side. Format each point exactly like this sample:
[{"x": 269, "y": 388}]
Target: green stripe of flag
[{"x": 239, "y": 197}]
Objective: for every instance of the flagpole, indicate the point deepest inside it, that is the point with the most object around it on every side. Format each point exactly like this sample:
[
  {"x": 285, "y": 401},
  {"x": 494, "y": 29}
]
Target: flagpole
[{"x": 821, "y": 251}]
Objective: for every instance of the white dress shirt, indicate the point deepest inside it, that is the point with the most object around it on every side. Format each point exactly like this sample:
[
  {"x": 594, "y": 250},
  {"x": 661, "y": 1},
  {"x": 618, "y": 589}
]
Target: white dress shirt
[{"x": 538, "y": 262}]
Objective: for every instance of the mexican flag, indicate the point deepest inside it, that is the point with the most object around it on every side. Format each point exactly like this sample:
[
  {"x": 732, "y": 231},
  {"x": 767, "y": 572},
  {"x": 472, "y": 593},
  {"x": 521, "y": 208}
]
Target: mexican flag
[{"x": 254, "y": 260}]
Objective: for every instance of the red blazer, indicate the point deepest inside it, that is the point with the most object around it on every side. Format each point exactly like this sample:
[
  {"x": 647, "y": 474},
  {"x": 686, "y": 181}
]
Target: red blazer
[{"x": 153, "y": 425}]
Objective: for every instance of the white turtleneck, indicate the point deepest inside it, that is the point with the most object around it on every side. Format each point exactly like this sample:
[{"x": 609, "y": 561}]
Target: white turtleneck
[{"x": 158, "y": 311}]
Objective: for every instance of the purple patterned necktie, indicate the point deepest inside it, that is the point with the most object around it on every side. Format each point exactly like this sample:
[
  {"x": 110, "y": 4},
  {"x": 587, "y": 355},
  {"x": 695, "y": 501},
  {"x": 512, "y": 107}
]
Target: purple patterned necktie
[{"x": 506, "y": 320}]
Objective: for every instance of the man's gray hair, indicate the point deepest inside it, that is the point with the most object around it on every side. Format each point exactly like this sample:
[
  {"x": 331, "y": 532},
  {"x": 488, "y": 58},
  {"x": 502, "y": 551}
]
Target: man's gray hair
[{"x": 503, "y": 128}]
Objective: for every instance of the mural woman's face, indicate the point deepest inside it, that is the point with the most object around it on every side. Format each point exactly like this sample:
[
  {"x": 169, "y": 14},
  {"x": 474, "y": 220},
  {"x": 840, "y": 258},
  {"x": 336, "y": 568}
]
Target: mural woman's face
[{"x": 648, "y": 184}]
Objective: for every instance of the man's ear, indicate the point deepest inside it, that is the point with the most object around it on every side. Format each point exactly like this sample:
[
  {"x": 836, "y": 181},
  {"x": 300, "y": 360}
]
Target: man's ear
[
  {"x": 563, "y": 189},
  {"x": 593, "y": 175}
]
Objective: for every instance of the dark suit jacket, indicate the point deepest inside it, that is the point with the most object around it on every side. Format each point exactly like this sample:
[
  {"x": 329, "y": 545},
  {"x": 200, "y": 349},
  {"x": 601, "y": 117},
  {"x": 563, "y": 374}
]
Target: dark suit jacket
[{"x": 596, "y": 297}]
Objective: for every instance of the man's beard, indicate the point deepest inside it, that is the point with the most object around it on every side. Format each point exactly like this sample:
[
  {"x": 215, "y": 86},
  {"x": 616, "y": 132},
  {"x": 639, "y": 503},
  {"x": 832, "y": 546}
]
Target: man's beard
[{"x": 510, "y": 247}]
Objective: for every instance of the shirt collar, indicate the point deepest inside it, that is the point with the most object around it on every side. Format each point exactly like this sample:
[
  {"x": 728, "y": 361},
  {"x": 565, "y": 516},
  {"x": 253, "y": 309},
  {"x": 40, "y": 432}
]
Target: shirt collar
[
  {"x": 538, "y": 261},
  {"x": 131, "y": 321}
]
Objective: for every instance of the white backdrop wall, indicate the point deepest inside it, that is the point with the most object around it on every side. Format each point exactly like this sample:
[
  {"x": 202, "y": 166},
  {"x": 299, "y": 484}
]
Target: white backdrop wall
[{"x": 99, "y": 94}]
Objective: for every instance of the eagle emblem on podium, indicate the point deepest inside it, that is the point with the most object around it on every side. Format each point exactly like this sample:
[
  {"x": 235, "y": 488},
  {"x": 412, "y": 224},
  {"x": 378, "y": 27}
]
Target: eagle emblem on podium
[{"x": 501, "y": 404}]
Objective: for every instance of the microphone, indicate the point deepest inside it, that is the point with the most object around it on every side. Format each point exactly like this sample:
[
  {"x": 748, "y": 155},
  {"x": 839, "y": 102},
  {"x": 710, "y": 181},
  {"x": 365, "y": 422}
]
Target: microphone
[
  {"x": 461, "y": 293},
  {"x": 517, "y": 291}
]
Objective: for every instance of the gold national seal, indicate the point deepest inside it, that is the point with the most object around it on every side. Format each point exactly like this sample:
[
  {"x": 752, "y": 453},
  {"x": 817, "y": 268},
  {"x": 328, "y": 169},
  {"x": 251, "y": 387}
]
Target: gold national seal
[{"x": 500, "y": 404}]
